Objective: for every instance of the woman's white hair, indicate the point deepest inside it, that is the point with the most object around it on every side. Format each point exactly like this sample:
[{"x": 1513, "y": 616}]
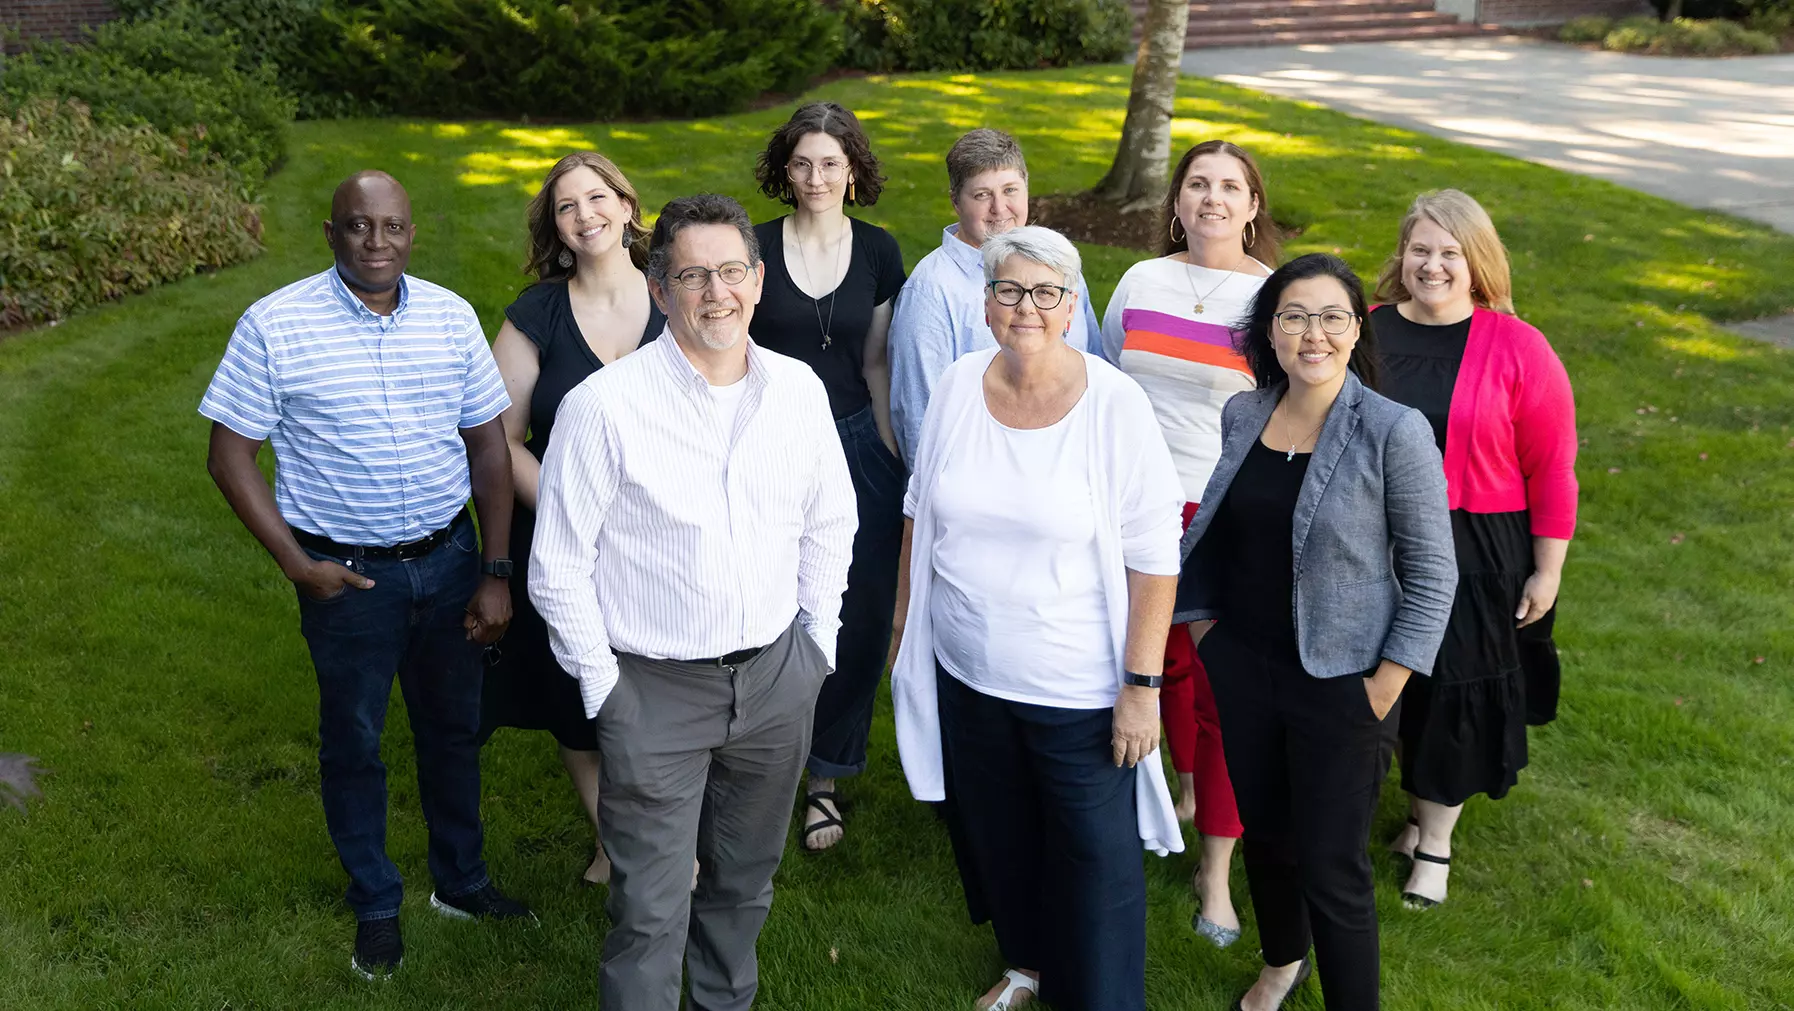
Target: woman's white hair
[{"x": 1032, "y": 242}]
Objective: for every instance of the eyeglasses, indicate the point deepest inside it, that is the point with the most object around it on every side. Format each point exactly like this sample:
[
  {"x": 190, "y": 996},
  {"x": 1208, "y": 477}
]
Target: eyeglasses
[
  {"x": 1334, "y": 322},
  {"x": 698, "y": 278},
  {"x": 831, "y": 170},
  {"x": 1045, "y": 296}
]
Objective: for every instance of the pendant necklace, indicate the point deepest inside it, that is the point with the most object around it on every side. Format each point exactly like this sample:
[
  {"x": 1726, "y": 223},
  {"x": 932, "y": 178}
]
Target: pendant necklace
[
  {"x": 1291, "y": 455},
  {"x": 1202, "y": 300},
  {"x": 816, "y": 303}
]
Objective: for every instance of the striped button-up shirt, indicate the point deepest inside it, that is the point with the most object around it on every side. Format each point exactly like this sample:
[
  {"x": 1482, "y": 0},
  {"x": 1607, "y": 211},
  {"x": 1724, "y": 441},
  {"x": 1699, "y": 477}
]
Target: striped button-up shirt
[
  {"x": 663, "y": 534},
  {"x": 364, "y": 411}
]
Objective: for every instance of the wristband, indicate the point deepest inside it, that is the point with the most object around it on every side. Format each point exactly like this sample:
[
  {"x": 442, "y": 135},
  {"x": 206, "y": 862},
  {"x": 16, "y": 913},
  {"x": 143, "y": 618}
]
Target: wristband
[{"x": 1142, "y": 680}]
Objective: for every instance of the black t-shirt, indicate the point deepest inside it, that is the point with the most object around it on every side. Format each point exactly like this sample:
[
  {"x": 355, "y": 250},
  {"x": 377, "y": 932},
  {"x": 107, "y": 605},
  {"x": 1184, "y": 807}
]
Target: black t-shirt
[
  {"x": 792, "y": 323},
  {"x": 1258, "y": 519},
  {"x": 544, "y": 313},
  {"x": 1419, "y": 363}
]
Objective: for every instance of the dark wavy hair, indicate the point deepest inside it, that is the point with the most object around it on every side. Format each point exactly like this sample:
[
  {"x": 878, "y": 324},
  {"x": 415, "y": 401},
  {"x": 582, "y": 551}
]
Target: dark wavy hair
[
  {"x": 1263, "y": 246},
  {"x": 1252, "y": 335},
  {"x": 545, "y": 245},
  {"x": 838, "y": 122}
]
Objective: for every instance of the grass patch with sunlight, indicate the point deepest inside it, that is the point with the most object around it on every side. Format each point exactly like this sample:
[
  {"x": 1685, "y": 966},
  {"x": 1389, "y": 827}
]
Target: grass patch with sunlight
[{"x": 153, "y": 659}]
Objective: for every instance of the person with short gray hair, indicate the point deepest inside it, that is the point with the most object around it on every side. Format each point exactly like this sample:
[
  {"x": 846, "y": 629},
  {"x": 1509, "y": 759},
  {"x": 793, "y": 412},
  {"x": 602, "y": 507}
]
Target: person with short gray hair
[
  {"x": 1044, "y": 514},
  {"x": 693, "y": 532},
  {"x": 940, "y": 312}
]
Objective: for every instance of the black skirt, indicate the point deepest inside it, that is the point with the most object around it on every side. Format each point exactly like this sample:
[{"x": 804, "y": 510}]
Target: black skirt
[
  {"x": 1463, "y": 730},
  {"x": 526, "y": 688}
]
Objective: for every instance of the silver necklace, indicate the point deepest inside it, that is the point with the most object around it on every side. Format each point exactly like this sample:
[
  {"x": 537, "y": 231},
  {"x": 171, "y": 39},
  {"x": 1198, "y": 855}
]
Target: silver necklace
[
  {"x": 1190, "y": 276},
  {"x": 1291, "y": 455},
  {"x": 827, "y": 328}
]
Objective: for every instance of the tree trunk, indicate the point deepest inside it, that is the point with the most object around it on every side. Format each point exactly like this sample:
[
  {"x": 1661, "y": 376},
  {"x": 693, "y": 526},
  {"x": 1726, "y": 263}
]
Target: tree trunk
[
  {"x": 1137, "y": 178},
  {"x": 1672, "y": 10}
]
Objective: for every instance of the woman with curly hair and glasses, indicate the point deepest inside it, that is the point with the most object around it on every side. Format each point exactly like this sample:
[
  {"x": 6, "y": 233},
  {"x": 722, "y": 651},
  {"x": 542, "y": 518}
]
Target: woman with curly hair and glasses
[
  {"x": 827, "y": 298},
  {"x": 588, "y": 306}
]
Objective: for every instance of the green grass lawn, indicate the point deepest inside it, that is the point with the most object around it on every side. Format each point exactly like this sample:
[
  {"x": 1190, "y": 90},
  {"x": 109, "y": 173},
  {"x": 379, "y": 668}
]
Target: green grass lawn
[{"x": 152, "y": 655}]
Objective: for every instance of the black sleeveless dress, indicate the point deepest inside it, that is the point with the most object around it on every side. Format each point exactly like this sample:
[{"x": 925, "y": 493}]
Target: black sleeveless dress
[
  {"x": 1463, "y": 730},
  {"x": 525, "y": 687}
]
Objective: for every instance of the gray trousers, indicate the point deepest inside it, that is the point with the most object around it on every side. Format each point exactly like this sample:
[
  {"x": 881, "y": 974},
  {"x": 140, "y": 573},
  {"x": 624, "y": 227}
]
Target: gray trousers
[{"x": 699, "y": 761}]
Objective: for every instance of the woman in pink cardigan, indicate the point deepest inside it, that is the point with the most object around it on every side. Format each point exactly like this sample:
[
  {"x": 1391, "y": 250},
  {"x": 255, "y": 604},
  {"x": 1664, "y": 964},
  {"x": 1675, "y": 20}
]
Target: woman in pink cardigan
[{"x": 1501, "y": 408}]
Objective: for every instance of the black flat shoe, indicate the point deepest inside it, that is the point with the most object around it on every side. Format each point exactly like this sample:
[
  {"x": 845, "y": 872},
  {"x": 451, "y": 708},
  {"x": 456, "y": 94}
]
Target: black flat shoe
[
  {"x": 815, "y": 800},
  {"x": 1302, "y": 975},
  {"x": 1416, "y": 901}
]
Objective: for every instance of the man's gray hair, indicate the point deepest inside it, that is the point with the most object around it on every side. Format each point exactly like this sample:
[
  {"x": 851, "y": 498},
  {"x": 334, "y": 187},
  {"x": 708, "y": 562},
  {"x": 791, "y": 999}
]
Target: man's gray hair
[
  {"x": 703, "y": 209},
  {"x": 1032, "y": 242}
]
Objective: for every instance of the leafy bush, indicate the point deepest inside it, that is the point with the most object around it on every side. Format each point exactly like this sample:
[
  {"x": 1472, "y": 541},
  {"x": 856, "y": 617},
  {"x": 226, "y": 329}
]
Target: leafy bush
[
  {"x": 91, "y": 211},
  {"x": 174, "y": 73},
  {"x": 280, "y": 32},
  {"x": 574, "y": 58},
  {"x": 884, "y": 35},
  {"x": 1687, "y": 37},
  {"x": 1589, "y": 29},
  {"x": 1771, "y": 17}
]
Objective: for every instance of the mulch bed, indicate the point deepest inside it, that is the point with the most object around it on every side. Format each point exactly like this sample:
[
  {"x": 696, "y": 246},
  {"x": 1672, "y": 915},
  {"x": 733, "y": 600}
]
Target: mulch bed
[{"x": 1081, "y": 218}]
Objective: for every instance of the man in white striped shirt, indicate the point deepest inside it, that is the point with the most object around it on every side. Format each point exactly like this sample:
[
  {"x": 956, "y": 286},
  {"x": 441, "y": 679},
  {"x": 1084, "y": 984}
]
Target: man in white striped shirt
[
  {"x": 381, "y": 399},
  {"x": 693, "y": 533}
]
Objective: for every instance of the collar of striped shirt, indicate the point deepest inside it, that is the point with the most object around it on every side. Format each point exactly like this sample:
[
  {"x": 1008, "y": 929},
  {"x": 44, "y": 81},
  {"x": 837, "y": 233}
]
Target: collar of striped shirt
[
  {"x": 364, "y": 411},
  {"x": 687, "y": 374}
]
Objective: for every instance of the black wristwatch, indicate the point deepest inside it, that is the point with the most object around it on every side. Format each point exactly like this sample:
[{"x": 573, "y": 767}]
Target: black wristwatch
[
  {"x": 500, "y": 567},
  {"x": 1142, "y": 680}
]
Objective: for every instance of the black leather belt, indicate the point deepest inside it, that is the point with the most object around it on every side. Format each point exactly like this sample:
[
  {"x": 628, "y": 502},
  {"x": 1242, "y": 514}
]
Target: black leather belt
[
  {"x": 401, "y": 552},
  {"x": 736, "y": 658}
]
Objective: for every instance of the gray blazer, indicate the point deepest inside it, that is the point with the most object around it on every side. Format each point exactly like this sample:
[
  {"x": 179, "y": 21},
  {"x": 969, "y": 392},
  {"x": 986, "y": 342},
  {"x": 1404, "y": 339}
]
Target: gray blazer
[{"x": 1375, "y": 567}]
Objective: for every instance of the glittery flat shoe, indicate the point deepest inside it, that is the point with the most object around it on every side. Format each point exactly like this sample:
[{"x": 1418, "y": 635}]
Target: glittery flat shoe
[{"x": 1213, "y": 932}]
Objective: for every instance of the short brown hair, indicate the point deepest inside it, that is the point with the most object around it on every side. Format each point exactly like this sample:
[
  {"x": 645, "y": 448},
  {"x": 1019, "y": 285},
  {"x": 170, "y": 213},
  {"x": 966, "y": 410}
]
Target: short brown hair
[
  {"x": 982, "y": 150},
  {"x": 1263, "y": 245},
  {"x": 838, "y": 122},
  {"x": 687, "y": 212},
  {"x": 1491, "y": 286},
  {"x": 545, "y": 245}
]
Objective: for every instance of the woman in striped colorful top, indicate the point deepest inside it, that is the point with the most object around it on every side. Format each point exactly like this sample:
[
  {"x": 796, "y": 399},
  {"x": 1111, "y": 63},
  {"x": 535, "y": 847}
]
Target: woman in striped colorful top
[{"x": 1169, "y": 326}]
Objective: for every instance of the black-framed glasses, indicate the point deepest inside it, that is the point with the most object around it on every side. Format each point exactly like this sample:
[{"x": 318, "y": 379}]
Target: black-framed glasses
[
  {"x": 1045, "y": 296},
  {"x": 698, "y": 278},
  {"x": 1334, "y": 322},
  {"x": 831, "y": 170}
]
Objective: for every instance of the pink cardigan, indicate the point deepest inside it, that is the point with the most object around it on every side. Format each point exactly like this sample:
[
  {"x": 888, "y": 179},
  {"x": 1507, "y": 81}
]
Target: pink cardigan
[{"x": 1510, "y": 441}]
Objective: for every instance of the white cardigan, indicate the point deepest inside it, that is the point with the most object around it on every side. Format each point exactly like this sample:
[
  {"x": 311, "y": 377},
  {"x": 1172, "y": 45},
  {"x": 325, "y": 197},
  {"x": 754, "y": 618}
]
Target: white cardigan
[{"x": 1125, "y": 444}]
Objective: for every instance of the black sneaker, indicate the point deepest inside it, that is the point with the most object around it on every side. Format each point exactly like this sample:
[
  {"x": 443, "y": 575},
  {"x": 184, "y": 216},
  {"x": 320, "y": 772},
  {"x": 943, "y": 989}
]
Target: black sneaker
[
  {"x": 486, "y": 904},
  {"x": 379, "y": 950}
]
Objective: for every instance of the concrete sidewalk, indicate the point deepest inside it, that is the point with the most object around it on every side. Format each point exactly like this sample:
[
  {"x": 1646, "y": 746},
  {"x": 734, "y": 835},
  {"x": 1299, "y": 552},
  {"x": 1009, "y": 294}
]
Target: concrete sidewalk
[{"x": 1708, "y": 133}]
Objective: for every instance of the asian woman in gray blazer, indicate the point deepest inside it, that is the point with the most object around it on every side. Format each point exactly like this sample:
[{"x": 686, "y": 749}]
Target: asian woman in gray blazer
[{"x": 1318, "y": 581}]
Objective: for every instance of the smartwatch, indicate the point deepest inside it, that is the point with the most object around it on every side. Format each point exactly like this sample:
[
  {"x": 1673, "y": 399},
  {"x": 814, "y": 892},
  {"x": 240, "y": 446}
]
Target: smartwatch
[
  {"x": 500, "y": 567},
  {"x": 1142, "y": 680}
]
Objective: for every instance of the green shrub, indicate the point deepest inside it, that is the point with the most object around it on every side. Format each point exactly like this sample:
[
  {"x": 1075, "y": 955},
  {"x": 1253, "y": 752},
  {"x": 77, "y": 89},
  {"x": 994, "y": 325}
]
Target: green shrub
[
  {"x": 585, "y": 59},
  {"x": 91, "y": 211},
  {"x": 171, "y": 72},
  {"x": 1771, "y": 17},
  {"x": 1687, "y": 37},
  {"x": 1589, "y": 29},
  {"x": 884, "y": 35},
  {"x": 280, "y": 32}
]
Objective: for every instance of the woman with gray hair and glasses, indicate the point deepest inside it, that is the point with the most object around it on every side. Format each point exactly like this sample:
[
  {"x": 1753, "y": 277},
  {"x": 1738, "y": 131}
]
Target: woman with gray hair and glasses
[{"x": 1044, "y": 514}]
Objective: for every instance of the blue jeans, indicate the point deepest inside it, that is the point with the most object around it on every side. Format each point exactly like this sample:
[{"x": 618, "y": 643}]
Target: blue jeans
[
  {"x": 1047, "y": 837},
  {"x": 409, "y": 623},
  {"x": 843, "y": 719}
]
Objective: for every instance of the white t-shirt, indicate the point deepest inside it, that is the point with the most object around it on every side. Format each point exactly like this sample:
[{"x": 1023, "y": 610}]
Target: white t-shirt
[
  {"x": 728, "y": 400},
  {"x": 1017, "y": 605}
]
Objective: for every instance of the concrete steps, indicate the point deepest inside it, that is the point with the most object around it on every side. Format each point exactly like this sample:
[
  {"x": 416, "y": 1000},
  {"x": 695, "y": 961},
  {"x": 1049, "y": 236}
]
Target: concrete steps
[{"x": 1216, "y": 23}]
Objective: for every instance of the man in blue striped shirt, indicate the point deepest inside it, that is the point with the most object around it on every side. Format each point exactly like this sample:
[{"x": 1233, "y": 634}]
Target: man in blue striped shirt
[{"x": 381, "y": 399}]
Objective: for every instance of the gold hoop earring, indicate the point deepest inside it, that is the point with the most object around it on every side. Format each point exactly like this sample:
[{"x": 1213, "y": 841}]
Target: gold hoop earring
[
  {"x": 1173, "y": 230},
  {"x": 1251, "y": 234}
]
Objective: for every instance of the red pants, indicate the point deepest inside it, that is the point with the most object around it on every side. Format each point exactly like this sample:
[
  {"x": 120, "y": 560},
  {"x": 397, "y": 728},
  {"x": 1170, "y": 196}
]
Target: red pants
[{"x": 1193, "y": 731}]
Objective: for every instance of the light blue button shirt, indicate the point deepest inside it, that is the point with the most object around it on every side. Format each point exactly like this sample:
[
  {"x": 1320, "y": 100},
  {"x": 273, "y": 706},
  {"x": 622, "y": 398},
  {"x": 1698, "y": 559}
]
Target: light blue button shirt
[
  {"x": 939, "y": 317},
  {"x": 364, "y": 411}
]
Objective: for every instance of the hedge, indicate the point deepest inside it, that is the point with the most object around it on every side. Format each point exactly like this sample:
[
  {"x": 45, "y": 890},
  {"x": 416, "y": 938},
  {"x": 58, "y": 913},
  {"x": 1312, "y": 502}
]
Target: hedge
[
  {"x": 885, "y": 35},
  {"x": 91, "y": 211}
]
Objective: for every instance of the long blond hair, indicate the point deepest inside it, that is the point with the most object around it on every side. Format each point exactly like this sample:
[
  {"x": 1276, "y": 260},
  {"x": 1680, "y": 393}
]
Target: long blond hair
[{"x": 1491, "y": 285}]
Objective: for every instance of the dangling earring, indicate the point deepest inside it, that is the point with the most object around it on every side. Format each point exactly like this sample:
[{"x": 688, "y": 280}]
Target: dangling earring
[
  {"x": 1173, "y": 230},
  {"x": 850, "y": 190},
  {"x": 1251, "y": 234},
  {"x": 628, "y": 237},
  {"x": 565, "y": 259}
]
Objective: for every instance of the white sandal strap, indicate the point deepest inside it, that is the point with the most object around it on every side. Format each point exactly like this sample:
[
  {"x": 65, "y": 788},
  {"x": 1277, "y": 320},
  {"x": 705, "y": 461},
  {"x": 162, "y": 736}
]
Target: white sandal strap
[{"x": 1018, "y": 980}]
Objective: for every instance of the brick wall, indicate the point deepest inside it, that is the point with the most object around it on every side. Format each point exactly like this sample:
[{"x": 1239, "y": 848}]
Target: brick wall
[
  {"x": 1524, "y": 13},
  {"x": 53, "y": 19}
]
